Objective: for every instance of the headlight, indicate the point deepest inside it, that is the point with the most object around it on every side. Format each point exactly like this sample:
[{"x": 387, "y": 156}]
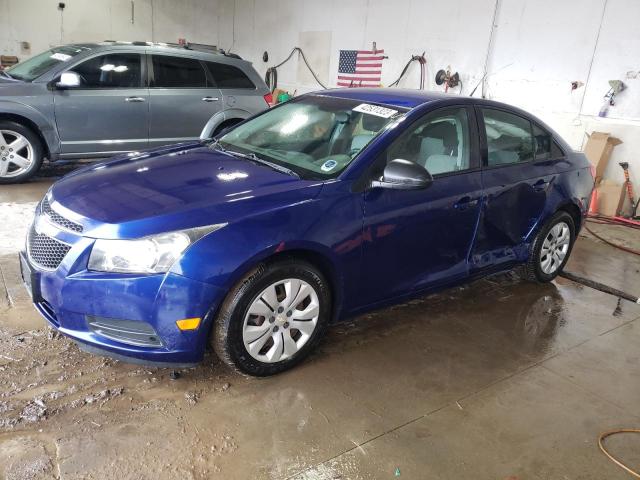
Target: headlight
[{"x": 152, "y": 254}]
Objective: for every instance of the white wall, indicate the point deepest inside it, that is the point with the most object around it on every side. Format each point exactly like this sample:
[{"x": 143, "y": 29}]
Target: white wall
[
  {"x": 40, "y": 23},
  {"x": 539, "y": 47}
]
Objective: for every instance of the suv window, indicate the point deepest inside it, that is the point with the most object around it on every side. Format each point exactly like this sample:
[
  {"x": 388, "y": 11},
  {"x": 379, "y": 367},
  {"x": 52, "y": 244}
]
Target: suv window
[
  {"x": 439, "y": 142},
  {"x": 177, "y": 72},
  {"x": 509, "y": 138},
  {"x": 228, "y": 76},
  {"x": 114, "y": 70}
]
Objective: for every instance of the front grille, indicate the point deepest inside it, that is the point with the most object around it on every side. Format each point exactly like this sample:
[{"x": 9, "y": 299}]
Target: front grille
[
  {"x": 44, "y": 251},
  {"x": 59, "y": 219},
  {"x": 131, "y": 332}
]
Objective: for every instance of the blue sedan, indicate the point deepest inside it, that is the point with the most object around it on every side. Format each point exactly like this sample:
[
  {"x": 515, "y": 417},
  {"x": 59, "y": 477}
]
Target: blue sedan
[{"x": 322, "y": 208}]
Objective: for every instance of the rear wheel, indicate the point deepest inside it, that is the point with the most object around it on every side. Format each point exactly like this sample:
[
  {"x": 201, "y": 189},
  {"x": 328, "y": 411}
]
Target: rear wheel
[
  {"x": 551, "y": 248},
  {"x": 21, "y": 152},
  {"x": 273, "y": 318}
]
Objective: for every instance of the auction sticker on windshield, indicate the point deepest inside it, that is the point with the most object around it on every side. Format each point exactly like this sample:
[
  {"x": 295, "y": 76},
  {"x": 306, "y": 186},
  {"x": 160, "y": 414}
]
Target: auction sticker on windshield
[
  {"x": 376, "y": 110},
  {"x": 63, "y": 57}
]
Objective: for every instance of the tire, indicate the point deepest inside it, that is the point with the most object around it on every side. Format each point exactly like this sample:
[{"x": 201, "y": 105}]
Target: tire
[
  {"x": 542, "y": 265},
  {"x": 30, "y": 152},
  {"x": 224, "y": 125},
  {"x": 253, "y": 336}
]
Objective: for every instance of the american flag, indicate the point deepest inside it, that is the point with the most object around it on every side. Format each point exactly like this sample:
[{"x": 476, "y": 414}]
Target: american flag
[{"x": 360, "y": 68}]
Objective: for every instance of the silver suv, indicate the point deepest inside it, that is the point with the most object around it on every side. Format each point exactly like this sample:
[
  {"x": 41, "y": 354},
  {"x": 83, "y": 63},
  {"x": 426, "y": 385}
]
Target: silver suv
[{"x": 97, "y": 99}]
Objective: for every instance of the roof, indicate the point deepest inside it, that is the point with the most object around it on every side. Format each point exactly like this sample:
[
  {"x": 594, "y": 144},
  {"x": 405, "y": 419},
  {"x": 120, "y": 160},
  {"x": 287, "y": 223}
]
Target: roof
[{"x": 399, "y": 97}]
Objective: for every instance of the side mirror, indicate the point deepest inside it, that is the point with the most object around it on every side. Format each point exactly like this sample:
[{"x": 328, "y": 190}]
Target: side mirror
[
  {"x": 68, "y": 80},
  {"x": 404, "y": 175}
]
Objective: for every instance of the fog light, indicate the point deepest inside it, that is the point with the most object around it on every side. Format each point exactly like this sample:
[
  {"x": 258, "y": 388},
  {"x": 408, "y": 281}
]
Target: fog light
[{"x": 188, "y": 323}]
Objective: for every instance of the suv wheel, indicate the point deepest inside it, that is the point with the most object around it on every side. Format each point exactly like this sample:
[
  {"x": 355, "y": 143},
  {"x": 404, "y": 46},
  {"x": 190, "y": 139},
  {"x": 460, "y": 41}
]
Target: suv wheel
[
  {"x": 21, "y": 152},
  {"x": 273, "y": 318},
  {"x": 551, "y": 248}
]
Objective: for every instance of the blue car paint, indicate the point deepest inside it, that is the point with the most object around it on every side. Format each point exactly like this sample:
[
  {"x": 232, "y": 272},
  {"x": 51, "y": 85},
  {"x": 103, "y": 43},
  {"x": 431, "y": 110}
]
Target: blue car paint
[{"x": 377, "y": 246}]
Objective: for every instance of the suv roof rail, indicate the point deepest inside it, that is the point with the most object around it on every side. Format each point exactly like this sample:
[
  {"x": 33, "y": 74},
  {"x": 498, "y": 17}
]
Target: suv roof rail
[{"x": 202, "y": 47}]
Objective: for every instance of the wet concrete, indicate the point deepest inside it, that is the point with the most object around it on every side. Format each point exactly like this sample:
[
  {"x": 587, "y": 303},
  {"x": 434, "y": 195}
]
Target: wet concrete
[{"x": 499, "y": 379}]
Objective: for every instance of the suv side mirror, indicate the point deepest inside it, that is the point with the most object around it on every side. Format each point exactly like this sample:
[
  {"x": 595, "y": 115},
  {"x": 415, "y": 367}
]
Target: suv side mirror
[
  {"x": 402, "y": 174},
  {"x": 68, "y": 80}
]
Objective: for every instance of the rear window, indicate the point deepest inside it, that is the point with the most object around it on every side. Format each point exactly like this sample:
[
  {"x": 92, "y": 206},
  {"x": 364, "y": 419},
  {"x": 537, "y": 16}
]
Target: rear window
[
  {"x": 177, "y": 72},
  {"x": 228, "y": 76}
]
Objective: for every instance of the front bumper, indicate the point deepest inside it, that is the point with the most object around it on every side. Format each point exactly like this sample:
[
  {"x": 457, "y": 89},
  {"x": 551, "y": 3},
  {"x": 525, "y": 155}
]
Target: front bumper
[{"x": 70, "y": 296}]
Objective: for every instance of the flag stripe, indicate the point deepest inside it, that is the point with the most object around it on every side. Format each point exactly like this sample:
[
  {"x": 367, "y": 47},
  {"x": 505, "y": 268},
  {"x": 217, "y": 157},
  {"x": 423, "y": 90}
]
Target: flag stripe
[
  {"x": 357, "y": 79},
  {"x": 358, "y": 84}
]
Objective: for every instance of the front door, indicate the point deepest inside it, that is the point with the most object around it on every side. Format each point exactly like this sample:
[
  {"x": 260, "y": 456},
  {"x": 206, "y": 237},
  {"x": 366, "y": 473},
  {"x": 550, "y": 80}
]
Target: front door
[
  {"x": 182, "y": 99},
  {"x": 416, "y": 239},
  {"x": 109, "y": 111}
]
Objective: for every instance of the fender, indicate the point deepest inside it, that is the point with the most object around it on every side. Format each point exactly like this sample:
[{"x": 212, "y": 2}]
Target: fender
[
  {"x": 220, "y": 117},
  {"x": 47, "y": 130}
]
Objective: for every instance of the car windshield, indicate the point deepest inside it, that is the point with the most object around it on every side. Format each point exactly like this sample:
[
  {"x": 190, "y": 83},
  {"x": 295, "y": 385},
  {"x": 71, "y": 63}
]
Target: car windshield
[
  {"x": 315, "y": 136},
  {"x": 35, "y": 66}
]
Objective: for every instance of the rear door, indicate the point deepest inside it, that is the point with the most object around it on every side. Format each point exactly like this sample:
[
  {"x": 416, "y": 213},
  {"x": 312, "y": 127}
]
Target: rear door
[
  {"x": 515, "y": 184},
  {"x": 109, "y": 110},
  {"x": 238, "y": 90},
  {"x": 415, "y": 239},
  {"x": 182, "y": 99}
]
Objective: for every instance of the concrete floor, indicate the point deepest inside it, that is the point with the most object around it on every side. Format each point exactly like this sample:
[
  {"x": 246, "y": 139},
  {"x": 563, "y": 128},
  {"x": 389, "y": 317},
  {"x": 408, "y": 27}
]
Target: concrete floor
[{"x": 499, "y": 379}]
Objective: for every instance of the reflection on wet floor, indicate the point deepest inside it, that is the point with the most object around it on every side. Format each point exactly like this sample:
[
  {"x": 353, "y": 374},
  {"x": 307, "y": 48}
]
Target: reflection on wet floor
[{"x": 495, "y": 379}]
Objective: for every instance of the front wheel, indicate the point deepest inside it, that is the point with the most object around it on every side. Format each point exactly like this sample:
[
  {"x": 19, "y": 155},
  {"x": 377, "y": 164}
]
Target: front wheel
[
  {"x": 273, "y": 318},
  {"x": 551, "y": 248},
  {"x": 21, "y": 152}
]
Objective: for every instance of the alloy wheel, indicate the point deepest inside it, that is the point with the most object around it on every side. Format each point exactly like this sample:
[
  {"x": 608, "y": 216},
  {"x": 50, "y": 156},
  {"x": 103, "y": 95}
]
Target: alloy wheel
[
  {"x": 280, "y": 320},
  {"x": 555, "y": 248},
  {"x": 16, "y": 154}
]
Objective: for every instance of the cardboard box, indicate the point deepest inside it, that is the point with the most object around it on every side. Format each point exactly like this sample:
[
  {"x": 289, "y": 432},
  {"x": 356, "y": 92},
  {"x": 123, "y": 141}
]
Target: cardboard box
[
  {"x": 611, "y": 197},
  {"x": 598, "y": 151}
]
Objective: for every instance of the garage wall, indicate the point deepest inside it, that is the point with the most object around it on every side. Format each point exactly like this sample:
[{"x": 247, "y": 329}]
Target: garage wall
[
  {"x": 42, "y": 24},
  {"x": 537, "y": 49}
]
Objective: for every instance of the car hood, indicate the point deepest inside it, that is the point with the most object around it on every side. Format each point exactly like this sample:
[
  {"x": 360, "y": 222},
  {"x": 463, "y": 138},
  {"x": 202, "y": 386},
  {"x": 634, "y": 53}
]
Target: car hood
[{"x": 174, "y": 188}]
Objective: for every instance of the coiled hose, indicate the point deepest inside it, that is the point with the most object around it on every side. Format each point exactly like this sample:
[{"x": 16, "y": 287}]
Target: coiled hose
[{"x": 271, "y": 77}]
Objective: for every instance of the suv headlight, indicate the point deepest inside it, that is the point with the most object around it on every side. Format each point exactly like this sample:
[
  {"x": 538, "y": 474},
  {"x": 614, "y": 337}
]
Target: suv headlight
[{"x": 152, "y": 254}]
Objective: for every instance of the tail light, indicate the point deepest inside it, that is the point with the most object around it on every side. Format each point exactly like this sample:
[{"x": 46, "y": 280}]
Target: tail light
[{"x": 268, "y": 98}]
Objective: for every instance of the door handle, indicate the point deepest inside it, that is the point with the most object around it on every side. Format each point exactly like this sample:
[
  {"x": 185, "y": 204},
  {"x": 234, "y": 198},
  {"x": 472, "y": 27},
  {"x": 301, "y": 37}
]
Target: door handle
[
  {"x": 465, "y": 202},
  {"x": 541, "y": 185},
  {"x": 210, "y": 99},
  {"x": 134, "y": 99}
]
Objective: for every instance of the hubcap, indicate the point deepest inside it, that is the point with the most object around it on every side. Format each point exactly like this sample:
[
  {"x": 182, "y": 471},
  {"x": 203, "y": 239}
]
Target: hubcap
[
  {"x": 16, "y": 154},
  {"x": 280, "y": 320},
  {"x": 555, "y": 248}
]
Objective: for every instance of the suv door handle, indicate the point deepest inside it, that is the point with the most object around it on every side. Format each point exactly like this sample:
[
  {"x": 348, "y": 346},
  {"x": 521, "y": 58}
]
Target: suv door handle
[
  {"x": 210, "y": 99},
  {"x": 465, "y": 202},
  {"x": 541, "y": 185},
  {"x": 134, "y": 99}
]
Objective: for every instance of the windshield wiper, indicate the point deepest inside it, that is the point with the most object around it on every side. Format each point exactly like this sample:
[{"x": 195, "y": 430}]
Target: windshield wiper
[
  {"x": 253, "y": 157},
  {"x": 217, "y": 145},
  {"x": 6, "y": 74}
]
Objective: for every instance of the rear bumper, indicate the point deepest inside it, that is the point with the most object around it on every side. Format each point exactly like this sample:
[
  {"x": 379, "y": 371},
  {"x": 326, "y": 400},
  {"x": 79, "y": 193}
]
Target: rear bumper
[{"x": 69, "y": 302}]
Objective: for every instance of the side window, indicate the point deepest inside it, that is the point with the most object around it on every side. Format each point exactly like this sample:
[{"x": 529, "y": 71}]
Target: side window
[
  {"x": 228, "y": 76},
  {"x": 509, "y": 138},
  {"x": 116, "y": 70},
  {"x": 177, "y": 72},
  {"x": 439, "y": 142},
  {"x": 543, "y": 143}
]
